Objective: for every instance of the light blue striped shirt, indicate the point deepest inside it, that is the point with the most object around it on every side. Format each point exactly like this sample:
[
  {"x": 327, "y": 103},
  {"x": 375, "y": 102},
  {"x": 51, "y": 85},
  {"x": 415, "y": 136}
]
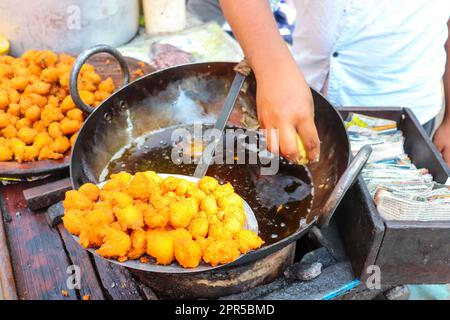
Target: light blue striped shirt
[{"x": 374, "y": 52}]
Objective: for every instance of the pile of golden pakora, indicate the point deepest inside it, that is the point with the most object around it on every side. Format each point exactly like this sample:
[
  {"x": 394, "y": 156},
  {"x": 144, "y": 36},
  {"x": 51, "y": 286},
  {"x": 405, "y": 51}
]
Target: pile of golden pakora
[
  {"x": 38, "y": 119},
  {"x": 143, "y": 216}
]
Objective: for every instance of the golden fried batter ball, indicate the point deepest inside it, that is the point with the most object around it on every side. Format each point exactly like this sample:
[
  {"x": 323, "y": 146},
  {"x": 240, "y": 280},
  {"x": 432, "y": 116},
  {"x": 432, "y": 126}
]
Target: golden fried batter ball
[
  {"x": 86, "y": 85},
  {"x": 39, "y": 126},
  {"x": 141, "y": 186},
  {"x": 76, "y": 200},
  {"x": 187, "y": 253},
  {"x": 160, "y": 246},
  {"x": 248, "y": 240},
  {"x": 87, "y": 97},
  {"x": 54, "y": 100},
  {"x": 4, "y": 99},
  {"x": 182, "y": 212},
  {"x": 169, "y": 184},
  {"x": 90, "y": 190},
  {"x": 101, "y": 95},
  {"x": 236, "y": 212},
  {"x": 159, "y": 201},
  {"x": 138, "y": 244},
  {"x": 92, "y": 76},
  {"x": 51, "y": 114},
  {"x": 180, "y": 234},
  {"x": 106, "y": 85},
  {"x": 99, "y": 217},
  {"x": 9, "y": 132},
  {"x": 54, "y": 130},
  {"x": 60, "y": 145},
  {"x": 75, "y": 114},
  {"x": 198, "y": 227},
  {"x": 116, "y": 243},
  {"x": 220, "y": 251},
  {"x": 230, "y": 200},
  {"x": 69, "y": 126},
  {"x": 33, "y": 113},
  {"x": 223, "y": 190},
  {"x": 16, "y": 143},
  {"x": 155, "y": 219},
  {"x": 50, "y": 75},
  {"x": 23, "y": 123},
  {"x": 25, "y": 102},
  {"x": 73, "y": 220},
  {"x": 73, "y": 138},
  {"x": 106, "y": 207},
  {"x": 6, "y": 153},
  {"x": 42, "y": 140},
  {"x": 122, "y": 177},
  {"x": 19, "y": 83},
  {"x": 13, "y": 95},
  {"x": 26, "y": 153},
  {"x": 14, "y": 109},
  {"x": 209, "y": 204},
  {"x": 46, "y": 58},
  {"x": 153, "y": 176},
  {"x": 118, "y": 182},
  {"x": 232, "y": 224},
  {"x": 208, "y": 184},
  {"x": 93, "y": 228},
  {"x": 218, "y": 231},
  {"x": 91, "y": 235},
  {"x": 37, "y": 99},
  {"x": 4, "y": 119},
  {"x": 116, "y": 198},
  {"x": 40, "y": 87},
  {"x": 130, "y": 217},
  {"x": 66, "y": 58},
  {"x": 47, "y": 153},
  {"x": 182, "y": 187},
  {"x": 67, "y": 104}
]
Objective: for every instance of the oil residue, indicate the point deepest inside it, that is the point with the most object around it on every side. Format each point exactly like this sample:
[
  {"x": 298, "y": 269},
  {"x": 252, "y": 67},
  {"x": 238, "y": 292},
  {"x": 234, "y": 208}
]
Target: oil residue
[{"x": 279, "y": 201}]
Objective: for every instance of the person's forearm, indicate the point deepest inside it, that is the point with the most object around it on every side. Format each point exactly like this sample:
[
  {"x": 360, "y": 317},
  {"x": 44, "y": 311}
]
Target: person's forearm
[
  {"x": 255, "y": 28},
  {"x": 447, "y": 80}
]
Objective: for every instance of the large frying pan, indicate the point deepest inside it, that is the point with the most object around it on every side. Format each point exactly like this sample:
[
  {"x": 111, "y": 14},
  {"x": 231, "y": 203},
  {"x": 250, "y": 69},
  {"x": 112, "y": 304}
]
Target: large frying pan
[{"x": 183, "y": 94}]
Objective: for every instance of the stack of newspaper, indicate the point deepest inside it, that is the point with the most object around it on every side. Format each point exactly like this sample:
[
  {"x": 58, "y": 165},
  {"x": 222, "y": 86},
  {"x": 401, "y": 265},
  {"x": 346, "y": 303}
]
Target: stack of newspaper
[{"x": 401, "y": 190}]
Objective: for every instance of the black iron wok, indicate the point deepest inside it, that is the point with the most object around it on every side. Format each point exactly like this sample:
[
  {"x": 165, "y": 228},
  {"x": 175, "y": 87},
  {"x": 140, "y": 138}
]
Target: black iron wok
[{"x": 195, "y": 92}]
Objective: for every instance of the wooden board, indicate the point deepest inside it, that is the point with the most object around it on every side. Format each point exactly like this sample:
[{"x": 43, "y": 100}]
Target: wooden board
[
  {"x": 37, "y": 252},
  {"x": 8, "y": 289},
  {"x": 106, "y": 67}
]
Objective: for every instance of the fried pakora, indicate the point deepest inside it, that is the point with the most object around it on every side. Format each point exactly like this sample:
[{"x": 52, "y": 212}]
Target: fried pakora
[
  {"x": 34, "y": 98},
  {"x": 116, "y": 243},
  {"x": 160, "y": 246},
  {"x": 187, "y": 253},
  {"x": 145, "y": 216}
]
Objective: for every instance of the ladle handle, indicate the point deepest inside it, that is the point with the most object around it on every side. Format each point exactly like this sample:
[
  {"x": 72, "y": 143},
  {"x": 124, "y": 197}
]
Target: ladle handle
[
  {"x": 81, "y": 60},
  {"x": 344, "y": 183}
]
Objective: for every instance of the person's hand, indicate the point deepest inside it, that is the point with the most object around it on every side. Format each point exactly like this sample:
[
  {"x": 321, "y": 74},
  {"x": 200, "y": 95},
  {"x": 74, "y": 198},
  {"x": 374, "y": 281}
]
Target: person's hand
[
  {"x": 284, "y": 102},
  {"x": 442, "y": 140}
]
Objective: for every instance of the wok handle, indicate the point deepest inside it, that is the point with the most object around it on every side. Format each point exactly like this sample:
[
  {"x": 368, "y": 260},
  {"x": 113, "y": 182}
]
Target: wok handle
[
  {"x": 81, "y": 60},
  {"x": 344, "y": 183}
]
